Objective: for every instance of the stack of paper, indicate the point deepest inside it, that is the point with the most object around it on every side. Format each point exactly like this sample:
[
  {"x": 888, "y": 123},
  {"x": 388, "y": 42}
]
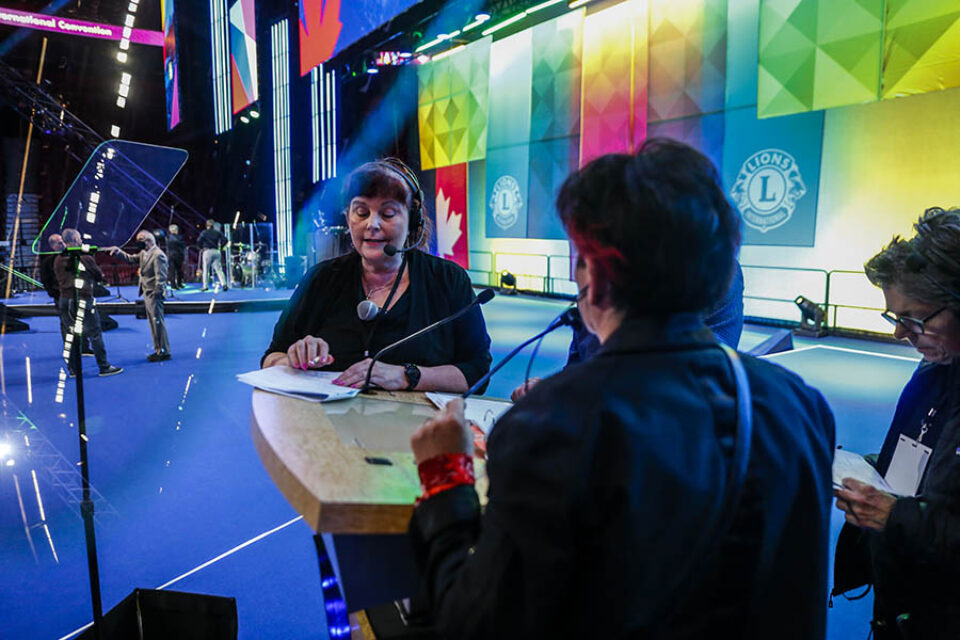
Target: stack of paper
[
  {"x": 315, "y": 386},
  {"x": 847, "y": 464},
  {"x": 480, "y": 410}
]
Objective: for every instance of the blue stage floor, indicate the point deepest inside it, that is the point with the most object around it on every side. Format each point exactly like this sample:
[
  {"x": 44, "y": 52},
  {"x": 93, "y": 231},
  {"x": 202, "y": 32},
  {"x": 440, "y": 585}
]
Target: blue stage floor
[{"x": 184, "y": 493}]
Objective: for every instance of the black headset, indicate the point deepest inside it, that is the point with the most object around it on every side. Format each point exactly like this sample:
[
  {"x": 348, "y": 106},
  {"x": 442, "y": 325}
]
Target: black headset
[{"x": 416, "y": 199}]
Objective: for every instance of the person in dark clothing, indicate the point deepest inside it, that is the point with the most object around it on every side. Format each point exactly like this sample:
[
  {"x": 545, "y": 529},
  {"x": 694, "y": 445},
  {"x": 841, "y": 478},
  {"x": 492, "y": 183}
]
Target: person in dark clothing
[
  {"x": 176, "y": 249},
  {"x": 608, "y": 481},
  {"x": 403, "y": 293},
  {"x": 908, "y": 546},
  {"x": 74, "y": 302},
  {"x": 48, "y": 278},
  {"x": 210, "y": 243}
]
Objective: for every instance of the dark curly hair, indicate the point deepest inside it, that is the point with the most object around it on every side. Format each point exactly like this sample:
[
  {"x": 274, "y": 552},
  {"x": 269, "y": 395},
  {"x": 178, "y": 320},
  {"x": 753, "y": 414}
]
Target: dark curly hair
[
  {"x": 656, "y": 224},
  {"x": 927, "y": 266}
]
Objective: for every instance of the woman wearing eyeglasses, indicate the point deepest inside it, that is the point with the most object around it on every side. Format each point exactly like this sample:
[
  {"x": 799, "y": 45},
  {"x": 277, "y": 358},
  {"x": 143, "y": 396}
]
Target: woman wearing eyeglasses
[{"x": 908, "y": 547}]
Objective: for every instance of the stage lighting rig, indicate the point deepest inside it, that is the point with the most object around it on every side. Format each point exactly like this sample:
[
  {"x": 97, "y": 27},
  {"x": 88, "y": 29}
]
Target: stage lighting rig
[{"x": 812, "y": 317}]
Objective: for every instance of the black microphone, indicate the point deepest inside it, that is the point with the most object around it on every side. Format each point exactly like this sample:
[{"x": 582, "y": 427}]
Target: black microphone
[
  {"x": 391, "y": 250},
  {"x": 565, "y": 319},
  {"x": 484, "y": 297}
]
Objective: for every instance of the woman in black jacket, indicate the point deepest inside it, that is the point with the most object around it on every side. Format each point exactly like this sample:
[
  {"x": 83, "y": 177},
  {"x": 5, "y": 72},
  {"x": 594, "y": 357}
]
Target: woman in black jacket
[{"x": 909, "y": 547}]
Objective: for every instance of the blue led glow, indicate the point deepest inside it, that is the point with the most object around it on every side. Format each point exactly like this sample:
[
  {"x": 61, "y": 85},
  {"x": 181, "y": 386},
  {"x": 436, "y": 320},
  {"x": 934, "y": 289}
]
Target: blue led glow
[{"x": 280, "y": 61}]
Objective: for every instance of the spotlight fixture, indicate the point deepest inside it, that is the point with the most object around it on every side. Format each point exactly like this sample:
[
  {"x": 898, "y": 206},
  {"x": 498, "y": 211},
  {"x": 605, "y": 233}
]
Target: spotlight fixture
[
  {"x": 254, "y": 114},
  {"x": 244, "y": 119},
  {"x": 508, "y": 283},
  {"x": 812, "y": 317}
]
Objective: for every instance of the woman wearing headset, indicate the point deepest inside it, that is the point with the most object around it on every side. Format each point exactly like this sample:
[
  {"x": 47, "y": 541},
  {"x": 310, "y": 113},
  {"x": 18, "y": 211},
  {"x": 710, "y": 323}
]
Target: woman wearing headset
[{"x": 348, "y": 308}]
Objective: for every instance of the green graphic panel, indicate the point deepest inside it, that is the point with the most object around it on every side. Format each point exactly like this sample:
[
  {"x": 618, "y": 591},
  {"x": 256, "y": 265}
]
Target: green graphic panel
[
  {"x": 555, "y": 87},
  {"x": 817, "y": 54},
  {"x": 921, "y": 47}
]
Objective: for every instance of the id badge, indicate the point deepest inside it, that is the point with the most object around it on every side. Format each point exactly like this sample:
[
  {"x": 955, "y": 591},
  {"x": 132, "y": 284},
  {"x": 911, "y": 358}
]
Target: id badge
[{"x": 906, "y": 469}]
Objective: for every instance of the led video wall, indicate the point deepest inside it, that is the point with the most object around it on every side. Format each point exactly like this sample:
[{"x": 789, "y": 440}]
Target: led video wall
[{"x": 171, "y": 71}]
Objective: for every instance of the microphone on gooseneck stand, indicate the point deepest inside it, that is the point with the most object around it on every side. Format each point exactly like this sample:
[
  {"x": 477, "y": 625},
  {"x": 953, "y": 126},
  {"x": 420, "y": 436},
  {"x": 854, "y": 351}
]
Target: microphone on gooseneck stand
[
  {"x": 484, "y": 297},
  {"x": 565, "y": 319}
]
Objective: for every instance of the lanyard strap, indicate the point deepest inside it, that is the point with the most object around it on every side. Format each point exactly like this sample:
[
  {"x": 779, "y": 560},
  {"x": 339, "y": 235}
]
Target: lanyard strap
[{"x": 386, "y": 305}]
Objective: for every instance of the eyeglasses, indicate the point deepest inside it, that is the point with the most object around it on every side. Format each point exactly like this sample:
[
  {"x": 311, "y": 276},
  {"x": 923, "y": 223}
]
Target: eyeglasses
[{"x": 914, "y": 325}]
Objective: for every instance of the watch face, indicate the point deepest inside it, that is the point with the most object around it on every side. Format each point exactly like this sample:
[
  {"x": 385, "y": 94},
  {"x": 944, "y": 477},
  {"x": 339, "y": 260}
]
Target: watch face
[{"x": 412, "y": 372}]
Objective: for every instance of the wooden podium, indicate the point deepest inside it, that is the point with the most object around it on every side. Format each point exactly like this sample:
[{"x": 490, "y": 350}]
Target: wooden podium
[{"x": 346, "y": 467}]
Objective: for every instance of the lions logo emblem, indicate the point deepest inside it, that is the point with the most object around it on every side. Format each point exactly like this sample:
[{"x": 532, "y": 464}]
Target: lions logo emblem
[
  {"x": 505, "y": 202},
  {"x": 767, "y": 189}
]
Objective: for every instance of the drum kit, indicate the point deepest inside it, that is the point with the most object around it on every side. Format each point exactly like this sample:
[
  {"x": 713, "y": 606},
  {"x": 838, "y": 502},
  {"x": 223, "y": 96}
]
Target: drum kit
[{"x": 250, "y": 264}]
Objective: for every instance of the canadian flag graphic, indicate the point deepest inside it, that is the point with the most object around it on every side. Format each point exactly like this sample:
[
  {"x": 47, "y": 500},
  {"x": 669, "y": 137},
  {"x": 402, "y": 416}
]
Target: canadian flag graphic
[{"x": 451, "y": 209}]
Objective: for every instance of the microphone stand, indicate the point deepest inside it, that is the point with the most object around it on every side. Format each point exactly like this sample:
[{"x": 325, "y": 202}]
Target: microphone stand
[
  {"x": 485, "y": 296},
  {"x": 563, "y": 320}
]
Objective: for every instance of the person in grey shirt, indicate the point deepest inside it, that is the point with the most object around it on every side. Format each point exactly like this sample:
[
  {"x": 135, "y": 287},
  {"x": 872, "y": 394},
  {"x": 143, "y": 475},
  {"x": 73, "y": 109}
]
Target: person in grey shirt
[{"x": 153, "y": 283}]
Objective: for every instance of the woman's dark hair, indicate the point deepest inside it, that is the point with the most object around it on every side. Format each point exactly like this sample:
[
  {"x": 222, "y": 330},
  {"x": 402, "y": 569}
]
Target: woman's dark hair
[
  {"x": 386, "y": 179},
  {"x": 927, "y": 266},
  {"x": 656, "y": 224}
]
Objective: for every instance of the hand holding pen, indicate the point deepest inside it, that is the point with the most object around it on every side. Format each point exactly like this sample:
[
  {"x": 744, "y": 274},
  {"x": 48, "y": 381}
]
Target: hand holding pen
[{"x": 308, "y": 353}]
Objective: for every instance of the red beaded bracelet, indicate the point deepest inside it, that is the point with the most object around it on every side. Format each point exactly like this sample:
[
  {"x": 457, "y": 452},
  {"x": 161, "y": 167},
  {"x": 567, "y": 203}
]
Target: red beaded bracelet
[{"x": 445, "y": 471}]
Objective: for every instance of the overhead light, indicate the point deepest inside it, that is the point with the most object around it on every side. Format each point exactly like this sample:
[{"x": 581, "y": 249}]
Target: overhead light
[
  {"x": 125, "y": 78},
  {"x": 427, "y": 45},
  {"x": 115, "y": 131},
  {"x": 812, "y": 316},
  {"x": 482, "y": 17},
  {"x": 577, "y": 3},
  {"x": 5, "y": 449},
  {"x": 121, "y": 102},
  {"x": 449, "y": 52},
  {"x": 373, "y": 71},
  {"x": 254, "y": 114},
  {"x": 122, "y": 56},
  {"x": 506, "y": 23},
  {"x": 543, "y": 5},
  {"x": 244, "y": 119}
]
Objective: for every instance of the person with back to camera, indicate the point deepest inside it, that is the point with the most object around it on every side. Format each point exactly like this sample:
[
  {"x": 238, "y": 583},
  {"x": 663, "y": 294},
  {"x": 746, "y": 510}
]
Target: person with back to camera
[
  {"x": 210, "y": 241},
  {"x": 623, "y": 501},
  {"x": 176, "y": 249},
  {"x": 908, "y": 547},
  {"x": 67, "y": 278},
  {"x": 346, "y": 309}
]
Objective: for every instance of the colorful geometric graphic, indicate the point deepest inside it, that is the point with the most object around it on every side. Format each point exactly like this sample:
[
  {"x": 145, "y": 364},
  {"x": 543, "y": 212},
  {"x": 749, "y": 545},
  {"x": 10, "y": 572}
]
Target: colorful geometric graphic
[
  {"x": 816, "y": 54},
  {"x": 452, "y": 107},
  {"x": 921, "y": 47},
  {"x": 555, "y": 84},
  {"x": 451, "y": 214},
  {"x": 171, "y": 70},
  {"x": 614, "y": 89},
  {"x": 243, "y": 54},
  {"x": 688, "y": 57}
]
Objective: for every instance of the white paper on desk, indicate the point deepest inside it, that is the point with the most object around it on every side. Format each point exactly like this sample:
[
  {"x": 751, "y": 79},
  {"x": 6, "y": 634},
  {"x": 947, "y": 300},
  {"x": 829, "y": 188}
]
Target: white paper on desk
[
  {"x": 316, "y": 386},
  {"x": 482, "y": 411},
  {"x": 847, "y": 464}
]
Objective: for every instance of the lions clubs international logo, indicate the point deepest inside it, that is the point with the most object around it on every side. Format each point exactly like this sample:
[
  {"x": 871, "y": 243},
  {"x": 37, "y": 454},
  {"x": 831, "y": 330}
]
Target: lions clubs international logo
[
  {"x": 767, "y": 189},
  {"x": 505, "y": 202}
]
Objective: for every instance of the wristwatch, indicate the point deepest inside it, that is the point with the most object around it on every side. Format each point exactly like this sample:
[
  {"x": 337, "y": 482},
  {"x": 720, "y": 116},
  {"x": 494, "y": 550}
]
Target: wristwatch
[{"x": 412, "y": 372}]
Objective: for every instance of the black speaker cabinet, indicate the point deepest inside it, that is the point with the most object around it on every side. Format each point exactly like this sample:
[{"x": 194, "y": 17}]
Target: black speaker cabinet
[{"x": 147, "y": 614}]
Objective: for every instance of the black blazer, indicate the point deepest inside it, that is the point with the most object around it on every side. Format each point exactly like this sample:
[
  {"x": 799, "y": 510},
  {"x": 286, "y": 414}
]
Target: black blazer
[
  {"x": 325, "y": 305},
  {"x": 603, "y": 480}
]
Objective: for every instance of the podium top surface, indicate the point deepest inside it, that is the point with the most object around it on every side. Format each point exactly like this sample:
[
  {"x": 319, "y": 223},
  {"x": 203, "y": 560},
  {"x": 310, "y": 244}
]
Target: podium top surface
[{"x": 345, "y": 466}]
